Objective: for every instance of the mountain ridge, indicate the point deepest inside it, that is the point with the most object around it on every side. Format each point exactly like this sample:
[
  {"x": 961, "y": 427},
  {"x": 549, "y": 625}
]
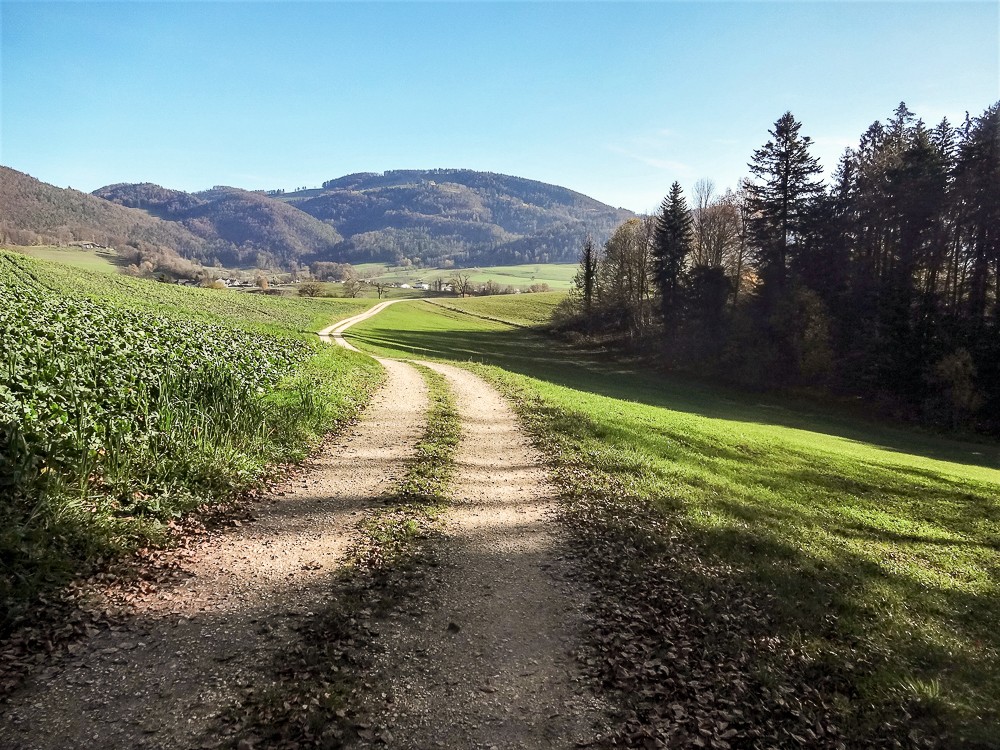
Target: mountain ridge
[{"x": 429, "y": 217}]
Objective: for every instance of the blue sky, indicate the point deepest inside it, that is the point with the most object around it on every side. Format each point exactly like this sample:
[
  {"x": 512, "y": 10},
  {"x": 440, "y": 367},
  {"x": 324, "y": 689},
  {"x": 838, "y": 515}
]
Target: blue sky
[{"x": 616, "y": 100}]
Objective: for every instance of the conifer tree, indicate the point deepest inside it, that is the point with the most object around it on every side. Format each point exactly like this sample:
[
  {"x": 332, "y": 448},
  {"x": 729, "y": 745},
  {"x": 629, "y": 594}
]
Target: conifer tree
[
  {"x": 588, "y": 274},
  {"x": 780, "y": 199},
  {"x": 672, "y": 242}
]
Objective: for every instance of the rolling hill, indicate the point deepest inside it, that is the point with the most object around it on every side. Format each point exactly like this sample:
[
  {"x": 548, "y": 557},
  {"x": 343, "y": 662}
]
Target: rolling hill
[
  {"x": 35, "y": 212},
  {"x": 252, "y": 222},
  {"x": 460, "y": 215},
  {"x": 424, "y": 217}
]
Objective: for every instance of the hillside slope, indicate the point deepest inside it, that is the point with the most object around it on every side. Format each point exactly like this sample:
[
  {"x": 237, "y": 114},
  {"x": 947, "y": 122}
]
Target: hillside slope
[
  {"x": 252, "y": 222},
  {"x": 34, "y": 211},
  {"x": 457, "y": 214},
  {"x": 432, "y": 217}
]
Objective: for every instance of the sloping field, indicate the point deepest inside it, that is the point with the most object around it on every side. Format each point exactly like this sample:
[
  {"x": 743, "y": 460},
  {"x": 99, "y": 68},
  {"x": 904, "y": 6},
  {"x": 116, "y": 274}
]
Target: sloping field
[
  {"x": 88, "y": 259},
  {"x": 281, "y": 314},
  {"x": 851, "y": 569},
  {"x": 526, "y": 310},
  {"x": 559, "y": 276},
  {"x": 125, "y": 403}
]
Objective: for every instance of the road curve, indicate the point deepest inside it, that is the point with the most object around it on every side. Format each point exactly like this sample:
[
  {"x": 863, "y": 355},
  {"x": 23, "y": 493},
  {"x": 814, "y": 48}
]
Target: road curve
[
  {"x": 485, "y": 658},
  {"x": 334, "y": 334}
]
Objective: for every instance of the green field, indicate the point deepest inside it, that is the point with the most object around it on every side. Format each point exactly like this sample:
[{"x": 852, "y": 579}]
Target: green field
[
  {"x": 528, "y": 310},
  {"x": 873, "y": 551},
  {"x": 559, "y": 276},
  {"x": 104, "y": 261},
  {"x": 125, "y": 403},
  {"x": 278, "y": 313}
]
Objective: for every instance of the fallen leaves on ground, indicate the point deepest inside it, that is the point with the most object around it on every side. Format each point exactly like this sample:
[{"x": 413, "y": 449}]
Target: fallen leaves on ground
[{"x": 692, "y": 659}]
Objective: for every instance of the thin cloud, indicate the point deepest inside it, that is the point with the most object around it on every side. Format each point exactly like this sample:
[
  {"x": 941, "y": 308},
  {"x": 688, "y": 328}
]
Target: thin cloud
[{"x": 649, "y": 150}]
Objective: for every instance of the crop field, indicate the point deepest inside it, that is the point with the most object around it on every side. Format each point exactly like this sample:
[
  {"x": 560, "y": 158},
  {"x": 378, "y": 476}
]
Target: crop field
[
  {"x": 115, "y": 419},
  {"x": 559, "y": 276},
  {"x": 872, "y": 552},
  {"x": 279, "y": 314}
]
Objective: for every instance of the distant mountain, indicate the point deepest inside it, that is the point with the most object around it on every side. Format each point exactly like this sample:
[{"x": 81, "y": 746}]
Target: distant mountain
[
  {"x": 251, "y": 222},
  {"x": 457, "y": 214},
  {"x": 430, "y": 216},
  {"x": 33, "y": 211}
]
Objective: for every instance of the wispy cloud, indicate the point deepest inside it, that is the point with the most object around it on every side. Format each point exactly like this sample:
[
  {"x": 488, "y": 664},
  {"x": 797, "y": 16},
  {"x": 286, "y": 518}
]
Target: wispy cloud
[{"x": 655, "y": 149}]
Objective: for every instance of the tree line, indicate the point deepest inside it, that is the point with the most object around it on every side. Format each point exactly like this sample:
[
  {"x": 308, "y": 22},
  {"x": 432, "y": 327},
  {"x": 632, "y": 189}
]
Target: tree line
[{"x": 883, "y": 282}]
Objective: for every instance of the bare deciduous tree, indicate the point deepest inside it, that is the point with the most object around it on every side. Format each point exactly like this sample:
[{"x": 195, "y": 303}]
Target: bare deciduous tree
[{"x": 461, "y": 283}]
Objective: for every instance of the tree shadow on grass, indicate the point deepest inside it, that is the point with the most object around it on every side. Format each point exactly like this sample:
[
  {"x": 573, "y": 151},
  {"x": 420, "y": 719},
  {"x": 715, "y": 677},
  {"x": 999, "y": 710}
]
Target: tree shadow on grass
[{"x": 536, "y": 355}]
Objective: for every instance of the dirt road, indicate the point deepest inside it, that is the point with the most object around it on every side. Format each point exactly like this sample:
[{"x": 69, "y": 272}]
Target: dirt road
[{"x": 490, "y": 664}]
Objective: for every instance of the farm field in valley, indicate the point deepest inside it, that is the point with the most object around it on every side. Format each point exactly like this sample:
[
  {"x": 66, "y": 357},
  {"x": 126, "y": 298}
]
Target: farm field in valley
[
  {"x": 872, "y": 551},
  {"x": 559, "y": 276},
  {"x": 529, "y": 310},
  {"x": 241, "y": 309},
  {"x": 78, "y": 257}
]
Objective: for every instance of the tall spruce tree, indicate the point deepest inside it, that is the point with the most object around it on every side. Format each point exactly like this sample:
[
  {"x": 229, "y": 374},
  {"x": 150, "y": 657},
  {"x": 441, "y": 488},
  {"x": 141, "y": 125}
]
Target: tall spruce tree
[
  {"x": 672, "y": 242},
  {"x": 587, "y": 274},
  {"x": 780, "y": 199}
]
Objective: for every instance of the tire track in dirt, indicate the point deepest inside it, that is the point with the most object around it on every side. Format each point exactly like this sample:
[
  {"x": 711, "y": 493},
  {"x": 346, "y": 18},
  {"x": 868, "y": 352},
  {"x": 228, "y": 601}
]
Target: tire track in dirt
[
  {"x": 187, "y": 649},
  {"x": 489, "y": 663}
]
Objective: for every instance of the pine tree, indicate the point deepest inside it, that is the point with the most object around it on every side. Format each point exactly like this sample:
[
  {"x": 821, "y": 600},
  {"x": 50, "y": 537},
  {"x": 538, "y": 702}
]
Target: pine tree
[
  {"x": 672, "y": 242},
  {"x": 978, "y": 188},
  {"x": 780, "y": 199},
  {"x": 587, "y": 274}
]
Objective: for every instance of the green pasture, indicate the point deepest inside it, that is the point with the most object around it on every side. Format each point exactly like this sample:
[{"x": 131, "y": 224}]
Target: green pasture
[
  {"x": 559, "y": 276},
  {"x": 104, "y": 261},
  {"x": 875, "y": 546},
  {"x": 524, "y": 310}
]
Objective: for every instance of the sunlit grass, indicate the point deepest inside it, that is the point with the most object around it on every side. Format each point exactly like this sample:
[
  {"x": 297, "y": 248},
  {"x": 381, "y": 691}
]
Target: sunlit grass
[
  {"x": 525, "y": 310},
  {"x": 102, "y": 261},
  {"x": 892, "y": 533},
  {"x": 559, "y": 276}
]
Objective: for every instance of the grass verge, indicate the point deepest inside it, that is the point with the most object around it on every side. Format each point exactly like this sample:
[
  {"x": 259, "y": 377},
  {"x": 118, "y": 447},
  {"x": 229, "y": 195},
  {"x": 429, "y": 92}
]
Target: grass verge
[{"x": 312, "y": 700}]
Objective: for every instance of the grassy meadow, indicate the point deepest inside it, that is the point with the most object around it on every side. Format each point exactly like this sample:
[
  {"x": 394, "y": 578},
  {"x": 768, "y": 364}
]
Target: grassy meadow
[
  {"x": 125, "y": 403},
  {"x": 105, "y": 261},
  {"x": 874, "y": 550},
  {"x": 559, "y": 276},
  {"x": 529, "y": 310}
]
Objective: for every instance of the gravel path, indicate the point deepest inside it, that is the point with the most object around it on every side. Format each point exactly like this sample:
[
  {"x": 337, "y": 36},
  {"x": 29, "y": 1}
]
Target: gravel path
[
  {"x": 160, "y": 680},
  {"x": 488, "y": 664}
]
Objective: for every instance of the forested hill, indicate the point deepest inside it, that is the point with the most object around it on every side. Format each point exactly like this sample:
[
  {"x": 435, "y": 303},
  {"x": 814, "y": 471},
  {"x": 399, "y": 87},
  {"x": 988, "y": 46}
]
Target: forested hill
[
  {"x": 161, "y": 229},
  {"x": 429, "y": 216},
  {"x": 260, "y": 229},
  {"x": 33, "y": 212},
  {"x": 455, "y": 214}
]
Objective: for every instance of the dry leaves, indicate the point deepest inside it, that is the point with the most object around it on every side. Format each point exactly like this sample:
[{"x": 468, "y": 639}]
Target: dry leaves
[{"x": 690, "y": 657}]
